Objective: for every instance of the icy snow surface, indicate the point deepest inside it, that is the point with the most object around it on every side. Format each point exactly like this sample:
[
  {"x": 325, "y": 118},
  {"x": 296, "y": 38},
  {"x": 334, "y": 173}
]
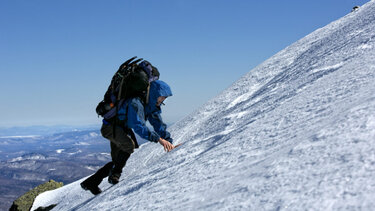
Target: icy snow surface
[{"x": 295, "y": 133}]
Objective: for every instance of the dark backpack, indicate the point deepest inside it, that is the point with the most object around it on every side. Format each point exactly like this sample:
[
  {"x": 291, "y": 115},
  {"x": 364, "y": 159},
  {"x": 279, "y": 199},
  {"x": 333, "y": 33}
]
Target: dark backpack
[{"x": 130, "y": 80}]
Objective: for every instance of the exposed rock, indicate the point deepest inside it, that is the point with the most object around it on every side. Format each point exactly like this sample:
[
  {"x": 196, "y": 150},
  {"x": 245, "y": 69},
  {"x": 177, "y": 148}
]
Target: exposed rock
[{"x": 25, "y": 202}]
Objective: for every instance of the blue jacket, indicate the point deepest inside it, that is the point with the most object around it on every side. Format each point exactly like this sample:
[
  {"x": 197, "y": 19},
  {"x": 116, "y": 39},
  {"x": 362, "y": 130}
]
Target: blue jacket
[{"x": 135, "y": 114}]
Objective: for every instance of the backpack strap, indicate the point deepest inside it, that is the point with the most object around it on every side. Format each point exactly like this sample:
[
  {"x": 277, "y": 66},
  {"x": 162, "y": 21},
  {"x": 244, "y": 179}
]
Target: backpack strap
[
  {"x": 147, "y": 94},
  {"x": 120, "y": 91},
  {"x": 115, "y": 121}
]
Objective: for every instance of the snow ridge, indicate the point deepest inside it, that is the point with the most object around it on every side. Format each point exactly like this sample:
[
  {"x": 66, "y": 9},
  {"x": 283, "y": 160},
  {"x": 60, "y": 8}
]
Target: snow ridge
[{"x": 295, "y": 133}]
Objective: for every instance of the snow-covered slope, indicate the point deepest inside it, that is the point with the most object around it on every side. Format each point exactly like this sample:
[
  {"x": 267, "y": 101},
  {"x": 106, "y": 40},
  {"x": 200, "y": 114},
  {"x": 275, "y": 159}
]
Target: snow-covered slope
[{"x": 295, "y": 133}]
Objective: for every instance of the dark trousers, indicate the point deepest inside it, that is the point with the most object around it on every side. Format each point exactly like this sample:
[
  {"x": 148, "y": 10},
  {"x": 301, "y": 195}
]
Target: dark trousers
[
  {"x": 121, "y": 139},
  {"x": 122, "y": 143},
  {"x": 97, "y": 178}
]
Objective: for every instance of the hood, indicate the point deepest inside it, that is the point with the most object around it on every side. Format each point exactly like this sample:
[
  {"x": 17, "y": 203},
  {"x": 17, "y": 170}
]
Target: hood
[{"x": 157, "y": 88}]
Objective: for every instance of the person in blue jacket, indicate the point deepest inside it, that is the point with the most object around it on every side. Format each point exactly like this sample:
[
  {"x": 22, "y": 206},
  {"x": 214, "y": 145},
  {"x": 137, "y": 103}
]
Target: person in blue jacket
[
  {"x": 132, "y": 116},
  {"x": 135, "y": 113}
]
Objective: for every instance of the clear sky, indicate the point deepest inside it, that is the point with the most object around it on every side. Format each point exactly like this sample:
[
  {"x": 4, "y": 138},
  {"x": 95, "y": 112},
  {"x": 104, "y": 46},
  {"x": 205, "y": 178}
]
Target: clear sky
[{"x": 57, "y": 57}]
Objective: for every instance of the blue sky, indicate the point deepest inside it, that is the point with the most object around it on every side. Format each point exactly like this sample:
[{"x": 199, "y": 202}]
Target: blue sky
[{"x": 57, "y": 57}]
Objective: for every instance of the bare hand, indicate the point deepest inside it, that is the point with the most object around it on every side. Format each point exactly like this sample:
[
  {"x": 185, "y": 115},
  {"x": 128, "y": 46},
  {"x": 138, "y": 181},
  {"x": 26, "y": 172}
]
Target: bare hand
[{"x": 167, "y": 146}]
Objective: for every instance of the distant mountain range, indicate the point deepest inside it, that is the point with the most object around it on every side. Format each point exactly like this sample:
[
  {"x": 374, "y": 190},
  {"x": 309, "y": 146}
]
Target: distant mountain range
[
  {"x": 29, "y": 160},
  {"x": 42, "y": 130}
]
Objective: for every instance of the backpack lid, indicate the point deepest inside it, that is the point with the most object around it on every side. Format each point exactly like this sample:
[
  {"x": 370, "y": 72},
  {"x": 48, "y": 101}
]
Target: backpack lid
[{"x": 151, "y": 71}]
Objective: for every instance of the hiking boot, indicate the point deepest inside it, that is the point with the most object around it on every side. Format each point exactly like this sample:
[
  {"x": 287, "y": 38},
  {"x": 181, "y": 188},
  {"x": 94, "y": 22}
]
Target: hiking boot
[
  {"x": 94, "y": 189},
  {"x": 114, "y": 178}
]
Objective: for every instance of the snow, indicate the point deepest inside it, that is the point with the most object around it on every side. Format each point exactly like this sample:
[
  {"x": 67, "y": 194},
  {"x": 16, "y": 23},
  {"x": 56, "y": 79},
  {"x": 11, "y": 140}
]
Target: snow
[
  {"x": 73, "y": 153},
  {"x": 82, "y": 144},
  {"x": 295, "y": 133},
  {"x": 31, "y": 157},
  {"x": 59, "y": 151},
  {"x": 16, "y": 159},
  {"x": 93, "y": 134},
  {"x": 91, "y": 168}
]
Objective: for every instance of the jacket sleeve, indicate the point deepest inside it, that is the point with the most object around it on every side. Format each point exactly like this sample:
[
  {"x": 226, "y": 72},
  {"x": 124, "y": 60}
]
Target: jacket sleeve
[
  {"x": 136, "y": 121},
  {"x": 159, "y": 126}
]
